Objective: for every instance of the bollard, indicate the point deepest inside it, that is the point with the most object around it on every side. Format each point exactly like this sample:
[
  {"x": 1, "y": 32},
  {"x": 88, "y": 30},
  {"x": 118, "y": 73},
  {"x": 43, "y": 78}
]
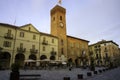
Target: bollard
[
  {"x": 106, "y": 69},
  {"x": 89, "y": 74},
  {"x": 95, "y": 72},
  {"x": 103, "y": 70},
  {"x": 66, "y": 78},
  {"x": 80, "y": 76},
  {"x": 100, "y": 71}
]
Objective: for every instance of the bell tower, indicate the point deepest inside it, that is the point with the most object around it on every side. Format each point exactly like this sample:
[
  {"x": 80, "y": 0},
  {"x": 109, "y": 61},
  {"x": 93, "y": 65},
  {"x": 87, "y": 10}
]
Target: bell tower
[{"x": 58, "y": 28}]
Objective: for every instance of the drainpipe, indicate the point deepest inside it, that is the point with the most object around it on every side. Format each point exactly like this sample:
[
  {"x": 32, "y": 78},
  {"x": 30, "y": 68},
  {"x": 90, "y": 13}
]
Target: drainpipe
[{"x": 13, "y": 53}]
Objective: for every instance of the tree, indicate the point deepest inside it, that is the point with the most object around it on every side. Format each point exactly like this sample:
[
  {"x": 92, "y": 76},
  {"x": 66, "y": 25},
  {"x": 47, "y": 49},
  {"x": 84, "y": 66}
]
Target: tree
[{"x": 92, "y": 63}]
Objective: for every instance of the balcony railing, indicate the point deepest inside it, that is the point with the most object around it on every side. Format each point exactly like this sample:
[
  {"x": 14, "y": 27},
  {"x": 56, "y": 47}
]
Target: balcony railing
[
  {"x": 21, "y": 50},
  {"x": 53, "y": 53},
  {"x": 45, "y": 42},
  {"x": 33, "y": 51},
  {"x": 8, "y": 36}
]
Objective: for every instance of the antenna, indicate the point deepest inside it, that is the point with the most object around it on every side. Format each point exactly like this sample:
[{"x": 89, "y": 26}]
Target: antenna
[{"x": 15, "y": 21}]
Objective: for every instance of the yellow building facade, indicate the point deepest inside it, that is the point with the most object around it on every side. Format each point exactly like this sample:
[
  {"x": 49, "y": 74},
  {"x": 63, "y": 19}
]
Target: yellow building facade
[
  {"x": 104, "y": 52},
  {"x": 18, "y": 44}
]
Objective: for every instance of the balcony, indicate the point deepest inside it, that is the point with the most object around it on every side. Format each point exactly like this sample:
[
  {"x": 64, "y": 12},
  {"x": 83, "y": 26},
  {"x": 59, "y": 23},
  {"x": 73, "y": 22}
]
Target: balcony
[
  {"x": 8, "y": 36},
  {"x": 45, "y": 42},
  {"x": 53, "y": 53},
  {"x": 21, "y": 50},
  {"x": 33, "y": 51}
]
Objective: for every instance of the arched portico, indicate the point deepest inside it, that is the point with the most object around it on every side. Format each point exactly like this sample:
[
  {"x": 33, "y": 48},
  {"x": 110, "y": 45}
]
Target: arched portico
[
  {"x": 32, "y": 57},
  {"x": 52, "y": 57},
  {"x": 42, "y": 57},
  {"x": 5, "y": 60},
  {"x": 19, "y": 58}
]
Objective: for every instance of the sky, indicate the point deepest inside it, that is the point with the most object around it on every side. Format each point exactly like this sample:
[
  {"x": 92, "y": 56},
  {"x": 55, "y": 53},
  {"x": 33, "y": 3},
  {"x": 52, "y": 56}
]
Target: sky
[{"x": 92, "y": 20}]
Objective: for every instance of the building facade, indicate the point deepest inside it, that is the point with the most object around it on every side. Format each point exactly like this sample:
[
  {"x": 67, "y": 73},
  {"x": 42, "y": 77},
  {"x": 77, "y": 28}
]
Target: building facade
[
  {"x": 18, "y": 44},
  {"x": 104, "y": 52},
  {"x": 78, "y": 50},
  {"x": 25, "y": 42}
]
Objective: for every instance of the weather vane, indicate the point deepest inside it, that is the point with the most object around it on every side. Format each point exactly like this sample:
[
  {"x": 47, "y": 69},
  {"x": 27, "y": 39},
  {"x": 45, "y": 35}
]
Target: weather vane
[{"x": 60, "y": 2}]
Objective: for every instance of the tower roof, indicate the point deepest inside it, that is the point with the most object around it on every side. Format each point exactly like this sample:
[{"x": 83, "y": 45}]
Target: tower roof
[{"x": 58, "y": 8}]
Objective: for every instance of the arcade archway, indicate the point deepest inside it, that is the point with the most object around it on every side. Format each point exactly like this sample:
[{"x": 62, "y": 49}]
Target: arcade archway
[
  {"x": 52, "y": 57},
  {"x": 42, "y": 57},
  {"x": 5, "y": 60},
  {"x": 19, "y": 58},
  {"x": 32, "y": 57}
]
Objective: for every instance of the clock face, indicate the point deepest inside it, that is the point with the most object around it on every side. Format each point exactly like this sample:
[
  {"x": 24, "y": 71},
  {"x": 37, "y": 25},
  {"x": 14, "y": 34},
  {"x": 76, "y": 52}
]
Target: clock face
[{"x": 61, "y": 24}]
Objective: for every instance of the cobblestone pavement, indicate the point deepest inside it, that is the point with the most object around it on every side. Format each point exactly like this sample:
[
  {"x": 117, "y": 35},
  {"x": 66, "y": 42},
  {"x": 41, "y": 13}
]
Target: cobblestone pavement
[{"x": 113, "y": 74}]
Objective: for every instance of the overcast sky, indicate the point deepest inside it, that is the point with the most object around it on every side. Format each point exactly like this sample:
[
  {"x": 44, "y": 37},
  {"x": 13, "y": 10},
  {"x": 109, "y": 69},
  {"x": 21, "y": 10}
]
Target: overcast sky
[{"x": 91, "y": 20}]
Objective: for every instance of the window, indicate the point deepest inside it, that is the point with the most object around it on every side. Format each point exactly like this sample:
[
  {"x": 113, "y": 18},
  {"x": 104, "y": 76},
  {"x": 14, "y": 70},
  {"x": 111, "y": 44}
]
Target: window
[
  {"x": 44, "y": 38},
  {"x": 105, "y": 44},
  {"x": 72, "y": 52},
  {"x": 21, "y": 45},
  {"x": 53, "y": 18},
  {"x": 83, "y": 53},
  {"x": 34, "y": 37},
  {"x": 29, "y": 28},
  {"x": 99, "y": 46},
  {"x": 33, "y": 46},
  {"x": 9, "y": 31},
  {"x": 106, "y": 55},
  {"x": 52, "y": 49},
  {"x": 7, "y": 44},
  {"x": 61, "y": 18},
  {"x": 77, "y": 45},
  {"x": 72, "y": 45},
  {"x": 62, "y": 51},
  {"x": 62, "y": 42},
  {"x": 43, "y": 48},
  {"x": 52, "y": 40},
  {"x": 21, "y": 34},
  {"x": 96, "y": 56},
  {"x": 95, "y": 46}
]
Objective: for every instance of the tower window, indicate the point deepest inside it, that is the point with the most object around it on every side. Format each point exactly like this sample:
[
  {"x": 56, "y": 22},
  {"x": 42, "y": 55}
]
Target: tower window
[
  {"x": 60, "y": 17},
  {"x": 53, "y": 18},
  {"x": 62, "y": 51},
  {"x": 62, "y": 43}
]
